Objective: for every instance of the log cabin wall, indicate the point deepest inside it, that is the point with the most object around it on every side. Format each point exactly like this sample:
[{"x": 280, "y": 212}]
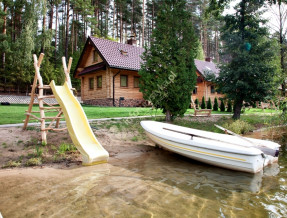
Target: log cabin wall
[
  {"x": 95, "y": 92},
  {"x": 204, "y": 89},
  {"x": 129, "y": 92}
]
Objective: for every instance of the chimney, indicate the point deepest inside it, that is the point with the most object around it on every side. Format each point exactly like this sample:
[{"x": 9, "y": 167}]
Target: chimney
[
  {"x": 209, "y": 59},
  {"x": 132, "y": 40}
]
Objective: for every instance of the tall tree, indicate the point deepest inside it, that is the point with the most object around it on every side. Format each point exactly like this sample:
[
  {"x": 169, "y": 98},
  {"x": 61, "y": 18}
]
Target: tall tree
[
  {"x": 250, "y": 74},
  {"x": 168, "y": 73}
]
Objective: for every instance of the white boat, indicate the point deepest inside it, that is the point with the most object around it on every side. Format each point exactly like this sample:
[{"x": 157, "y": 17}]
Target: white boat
[{"x": 227, "y": 151}]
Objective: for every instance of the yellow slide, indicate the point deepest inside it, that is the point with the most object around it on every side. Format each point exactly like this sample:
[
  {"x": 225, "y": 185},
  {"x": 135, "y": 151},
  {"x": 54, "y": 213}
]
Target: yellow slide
[{"x": 78, "y": 126}]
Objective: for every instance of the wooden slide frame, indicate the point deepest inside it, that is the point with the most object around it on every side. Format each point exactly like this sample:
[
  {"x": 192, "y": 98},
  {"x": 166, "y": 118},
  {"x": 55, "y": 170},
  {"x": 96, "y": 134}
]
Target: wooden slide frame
[{"x": 44, "y": 106}]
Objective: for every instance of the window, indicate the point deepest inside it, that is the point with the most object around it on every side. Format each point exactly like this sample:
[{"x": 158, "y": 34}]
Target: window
[
  {"x": 212, "y": 89},
  {"x": 91, "y": 83},
  {"x": 136, "y": 82},
  {"x": 96, "y": 56},
  {"x": 99, "y": 81},
  {"x": 194, "y": 91},
  {"x": 124, "y": 81}
]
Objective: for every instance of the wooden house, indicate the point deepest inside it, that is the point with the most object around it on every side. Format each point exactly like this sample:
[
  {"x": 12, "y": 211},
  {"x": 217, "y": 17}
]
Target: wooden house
[
  {"x": 203, "y": 86},
  {"x": 109, "y": 74}
]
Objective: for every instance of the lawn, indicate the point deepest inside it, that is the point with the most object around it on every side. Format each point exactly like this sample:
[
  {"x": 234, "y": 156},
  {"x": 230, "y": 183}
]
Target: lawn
[{"x": 15, "y": 113}]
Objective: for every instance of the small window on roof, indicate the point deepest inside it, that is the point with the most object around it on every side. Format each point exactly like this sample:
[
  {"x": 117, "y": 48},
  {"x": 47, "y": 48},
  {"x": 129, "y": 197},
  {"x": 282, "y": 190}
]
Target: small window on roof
[
  {"x": 123, "y": 52},
  {"x": 95, "y": 56}
]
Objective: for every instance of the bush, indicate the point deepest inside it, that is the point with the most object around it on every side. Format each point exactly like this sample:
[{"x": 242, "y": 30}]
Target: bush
[
  {"x": 238, "y": 126},
  {"x": 203, "y": 106},
  {"x": 222, "y": 106},
  {"x": 229, "y": 106},
  {"x": 215, "y": 105},
  {"x": 36, "y": 161},
  {"x": 196, "y": 102},
  {"x": 209, "y": 106}
]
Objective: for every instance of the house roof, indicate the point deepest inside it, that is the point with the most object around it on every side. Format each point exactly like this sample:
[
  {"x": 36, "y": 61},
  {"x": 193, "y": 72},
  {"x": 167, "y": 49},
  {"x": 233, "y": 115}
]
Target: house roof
[
  {"x": 100, "y": 66},
  {"x": 125, "y": 56},
  {"x": 206, "y": 66},
  {"x": 118, "y": 55}
]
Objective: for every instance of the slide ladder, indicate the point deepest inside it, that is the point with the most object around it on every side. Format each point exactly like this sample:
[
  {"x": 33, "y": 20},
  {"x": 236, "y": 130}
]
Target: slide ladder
[{"x": 76, "y": 120}]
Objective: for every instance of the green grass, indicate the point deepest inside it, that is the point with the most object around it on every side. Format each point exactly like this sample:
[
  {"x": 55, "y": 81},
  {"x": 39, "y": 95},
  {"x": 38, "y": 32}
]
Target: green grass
[{"x": 15, "y": 113}]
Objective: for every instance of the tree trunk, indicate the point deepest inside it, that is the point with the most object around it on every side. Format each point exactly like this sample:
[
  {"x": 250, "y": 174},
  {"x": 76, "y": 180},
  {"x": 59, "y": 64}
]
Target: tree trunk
[
  {"x": 237, "y": 109},
  {"x": 167, "y": 116},
  {"x": 281, "y": 41},
  {"x": 114, "y": 15},
  {"x": 56, "y": 31},
  {"x": 43, "y": 28},
  {"x": 67, "y": 30},
  {"x": 4, "y": 34},
  {"x": 51, "y": 15},
  {"x": 143, "y": 21},
  {"x": 73, "y": 32}
]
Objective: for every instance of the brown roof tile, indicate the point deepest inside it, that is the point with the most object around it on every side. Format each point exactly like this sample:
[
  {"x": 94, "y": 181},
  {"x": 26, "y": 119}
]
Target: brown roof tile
[
  {"x": 205, "y": 66},
  {"x": 119, "y": 55},
  {"x": 125, "y": 56}
]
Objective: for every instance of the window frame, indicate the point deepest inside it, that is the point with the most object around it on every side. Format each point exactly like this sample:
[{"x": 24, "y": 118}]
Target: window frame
[
  {"x": 138, "y": 84},
  {"x": 99, "y": 77},
  {"x": 126, "y": 76},
  {"x": 212, "y": 89},
  {"x": 194, "y": 91},
  {"x": 91, "y": 82}
]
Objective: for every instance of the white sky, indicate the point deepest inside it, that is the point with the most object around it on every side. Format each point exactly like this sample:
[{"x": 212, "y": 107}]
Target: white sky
[{"x": 271, "y": 14}]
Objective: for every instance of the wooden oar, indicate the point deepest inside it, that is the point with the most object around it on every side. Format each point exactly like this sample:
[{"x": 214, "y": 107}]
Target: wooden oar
[
  {"x": 261, "y": 147},
  {"x": 204, "y": 137}
]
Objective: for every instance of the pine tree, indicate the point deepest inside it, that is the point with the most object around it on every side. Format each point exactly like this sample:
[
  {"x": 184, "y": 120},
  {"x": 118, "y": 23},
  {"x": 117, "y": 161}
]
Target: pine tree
[
  {"x": 203, "y": 106},
  {"x": 168, "y": 72},
  {"x": 229, "y": 106},
  {"x": 209, "y": 105},
  {"x": 215, "y": 104},
  {"x": 222, "y": 106},
  {"x": 251, "y": 73}
]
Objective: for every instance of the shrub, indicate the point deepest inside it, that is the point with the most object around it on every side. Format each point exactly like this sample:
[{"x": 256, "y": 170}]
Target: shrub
[
  {"x": 12, "y": 163},
  {"x": 222, "y": 106},
  {"x": 215, "y": 104},
  {"x": 196, "y": 102},
  {"x": 238, "y": 126},
  {"x": 209, "y": 106},
  {"x": 203, "y": 103},
  {"x": 229, "y": 106},
  {"x": 35, "y": 161},
  {"x": 63, "y": 148}
]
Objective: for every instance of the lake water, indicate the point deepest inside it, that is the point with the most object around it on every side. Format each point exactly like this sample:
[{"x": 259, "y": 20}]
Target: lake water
[{"x": 156, "y": 183}]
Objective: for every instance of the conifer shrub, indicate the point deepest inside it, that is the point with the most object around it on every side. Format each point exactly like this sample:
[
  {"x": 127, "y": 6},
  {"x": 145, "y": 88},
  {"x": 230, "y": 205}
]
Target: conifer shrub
[
  {"x": 229, "y": 106},
  {"x": 215, "y": 104},
  {"x": 203, "y": 106},
  {"x": 222, "y": 106},
  {"x": 196, "y": 102},
  {"x": 209, "y": 106}
]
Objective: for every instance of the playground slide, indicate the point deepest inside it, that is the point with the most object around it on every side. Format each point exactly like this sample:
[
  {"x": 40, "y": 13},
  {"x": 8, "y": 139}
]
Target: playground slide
[{"x": 78, "y": 126}]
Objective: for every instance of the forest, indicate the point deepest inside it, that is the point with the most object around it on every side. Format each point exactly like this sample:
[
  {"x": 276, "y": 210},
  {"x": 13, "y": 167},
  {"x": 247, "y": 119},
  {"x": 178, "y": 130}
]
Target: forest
[{"x": 60, "y": 28}]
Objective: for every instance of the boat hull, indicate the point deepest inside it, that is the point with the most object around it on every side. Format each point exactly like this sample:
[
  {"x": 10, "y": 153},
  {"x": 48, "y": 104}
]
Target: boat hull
[{"x": 251, "y": 162}]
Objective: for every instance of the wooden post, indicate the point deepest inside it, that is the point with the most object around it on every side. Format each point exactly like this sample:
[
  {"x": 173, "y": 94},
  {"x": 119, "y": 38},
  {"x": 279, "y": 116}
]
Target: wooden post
[
  {"x": 38, "y": 64},
  {"x": 67, "y": 71}
]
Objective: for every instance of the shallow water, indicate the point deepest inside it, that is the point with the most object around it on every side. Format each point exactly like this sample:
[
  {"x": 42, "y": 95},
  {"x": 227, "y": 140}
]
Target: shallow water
[{"x": 151, "y": 184}]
